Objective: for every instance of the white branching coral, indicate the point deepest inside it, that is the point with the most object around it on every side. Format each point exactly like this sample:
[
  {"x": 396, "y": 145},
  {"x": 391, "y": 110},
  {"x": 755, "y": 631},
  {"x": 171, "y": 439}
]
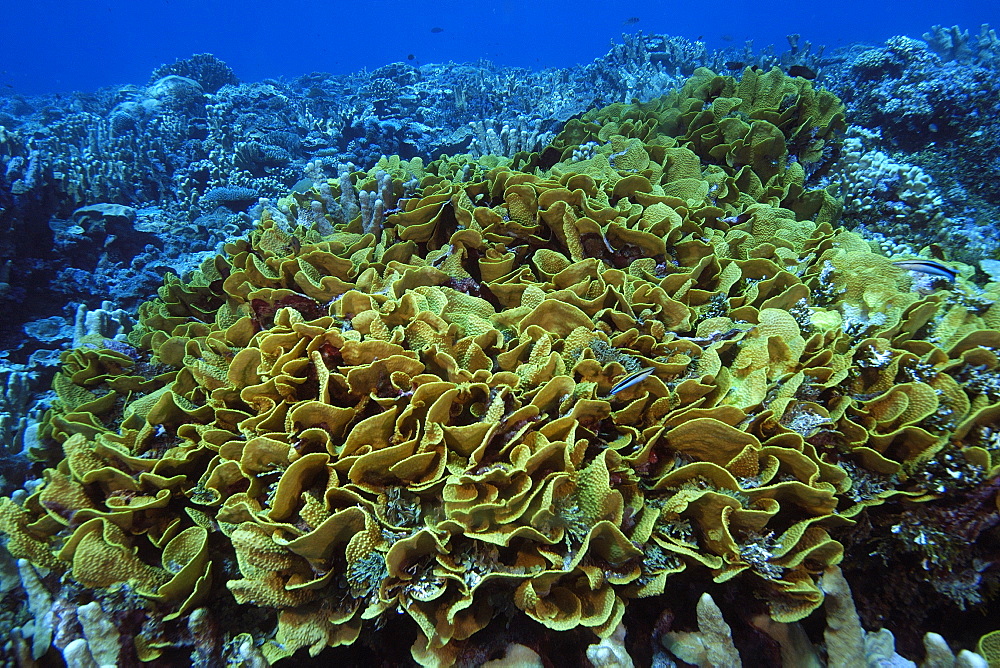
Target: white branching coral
[
  {"x": 610, "y": 652},
  {"x": 709, "y": 647}
]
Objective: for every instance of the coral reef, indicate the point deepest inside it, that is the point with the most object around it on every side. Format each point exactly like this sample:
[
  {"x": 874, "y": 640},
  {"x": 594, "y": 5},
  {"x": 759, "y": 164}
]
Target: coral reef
[
  {"x": 390, "y": 406},
  {"x": 908, "y": 92},
  {"x": 206, "y": 70},
  {"x": 193, "y": 148},
  {"x": 898, "y": 205},
  {"x": 847, "y": 644},
  {"x": 711, "y": 646},
  {"x": 390, "y": 391},
  {"x": 886, "y": 195},
  {"x": 931, "y": 106}
]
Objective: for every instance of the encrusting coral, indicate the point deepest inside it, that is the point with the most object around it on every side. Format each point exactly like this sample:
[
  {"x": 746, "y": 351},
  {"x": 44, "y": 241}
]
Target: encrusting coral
[{"x": 418, "y": 418}]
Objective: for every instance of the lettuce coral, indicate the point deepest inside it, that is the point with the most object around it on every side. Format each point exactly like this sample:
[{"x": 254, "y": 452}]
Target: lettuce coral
[{"x": 417, "y": 418}]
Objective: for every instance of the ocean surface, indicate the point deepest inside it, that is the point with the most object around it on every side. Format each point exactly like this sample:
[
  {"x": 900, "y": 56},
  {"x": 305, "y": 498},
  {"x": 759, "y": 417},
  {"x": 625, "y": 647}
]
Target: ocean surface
[{"x": 500, "y": 334}]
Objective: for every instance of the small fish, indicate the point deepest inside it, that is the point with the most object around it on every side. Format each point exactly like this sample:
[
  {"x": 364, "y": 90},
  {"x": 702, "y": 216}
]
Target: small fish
[
  {"x": 930, "y": 267},
  {"x": 410, "y": 57},
  {"x": 436, "y": 29},
  {"x": 801, "y": 71},
  {"x": 734, "y": 64},
  {"x": 726, "y": 38},
  {"x": 630, "y": 21},
  {"x": 631, "y": 379}
]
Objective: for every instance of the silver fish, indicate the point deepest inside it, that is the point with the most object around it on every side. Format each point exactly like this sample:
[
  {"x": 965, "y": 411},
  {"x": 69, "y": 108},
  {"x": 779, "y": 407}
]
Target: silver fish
[
  {"x": 930, "y": 267},
  {"x": 631, "y": 379}
]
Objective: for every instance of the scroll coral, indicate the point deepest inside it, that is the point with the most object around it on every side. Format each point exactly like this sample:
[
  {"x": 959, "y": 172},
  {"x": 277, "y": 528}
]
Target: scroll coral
[{"x": 417, "y": 419}]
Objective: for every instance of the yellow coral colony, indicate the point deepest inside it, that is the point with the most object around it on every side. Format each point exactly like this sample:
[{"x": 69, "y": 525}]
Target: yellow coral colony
[{"x": 419, "y": 420}]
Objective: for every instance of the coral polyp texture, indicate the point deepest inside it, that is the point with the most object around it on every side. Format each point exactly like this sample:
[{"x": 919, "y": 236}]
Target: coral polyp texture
[{"x": 412, "y": 411}]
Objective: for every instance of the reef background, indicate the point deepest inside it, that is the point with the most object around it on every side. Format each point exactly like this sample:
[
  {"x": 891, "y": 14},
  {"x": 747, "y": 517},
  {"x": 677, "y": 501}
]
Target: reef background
[{"x": 103, "y": 194}]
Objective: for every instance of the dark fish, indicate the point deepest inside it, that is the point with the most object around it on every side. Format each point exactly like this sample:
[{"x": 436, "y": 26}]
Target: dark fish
[
  {"x": 930, "y": 267},
  {"x": 937, "y": 252},
  {"x": 801, "y": 71},
  {"x": 726, "y": 38},
  {"x": 718, "y": 336},
  {"x": 734, "y": 64},
  {"x": 630, "y": 21},
  {"x": 410, "y": 57},
  {"x": 737, "y": 220},
  {"x": 631, "y": 379},
  {"x": 436, "y": 29}
]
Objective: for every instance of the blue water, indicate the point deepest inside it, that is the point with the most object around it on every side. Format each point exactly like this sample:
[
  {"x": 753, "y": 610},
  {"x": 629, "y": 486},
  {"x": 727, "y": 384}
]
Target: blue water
[{"x": 58, "y": 46}]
